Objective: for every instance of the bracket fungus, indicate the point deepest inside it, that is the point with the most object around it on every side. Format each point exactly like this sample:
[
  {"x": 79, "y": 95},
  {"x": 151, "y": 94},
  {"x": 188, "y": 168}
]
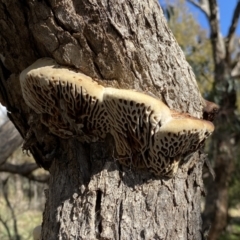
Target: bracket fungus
[{"x": 146, "y": 132}]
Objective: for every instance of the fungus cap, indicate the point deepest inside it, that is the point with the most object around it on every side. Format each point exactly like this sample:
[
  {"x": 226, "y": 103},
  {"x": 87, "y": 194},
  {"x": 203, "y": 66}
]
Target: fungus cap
[
  {"x": 143, "y": 127},
  {"x": 45, "y": 73},
  {"x": 65, "y": 99}
]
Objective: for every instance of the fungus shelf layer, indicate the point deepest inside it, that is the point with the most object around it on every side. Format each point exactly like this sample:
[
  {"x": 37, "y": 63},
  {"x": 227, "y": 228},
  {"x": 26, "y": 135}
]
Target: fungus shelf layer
[{"x": 146, "y": 132}]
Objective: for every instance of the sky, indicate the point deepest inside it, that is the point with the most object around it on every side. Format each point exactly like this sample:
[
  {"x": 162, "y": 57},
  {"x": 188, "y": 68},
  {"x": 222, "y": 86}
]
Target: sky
[
  {"x": 226, "y": 8},
  {"x": 3, "y": 113}
]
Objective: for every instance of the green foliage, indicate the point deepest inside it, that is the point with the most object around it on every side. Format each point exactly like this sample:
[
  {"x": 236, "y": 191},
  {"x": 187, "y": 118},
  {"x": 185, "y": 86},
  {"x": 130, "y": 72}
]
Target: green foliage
[
  {"x": 232, "y": 233},
  {"x": 193, "y": 40},
  {"x": 234, "y": 190}
]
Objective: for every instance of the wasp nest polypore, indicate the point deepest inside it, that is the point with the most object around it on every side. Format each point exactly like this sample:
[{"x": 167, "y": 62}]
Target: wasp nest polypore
[{"x": 73, "y": 104}]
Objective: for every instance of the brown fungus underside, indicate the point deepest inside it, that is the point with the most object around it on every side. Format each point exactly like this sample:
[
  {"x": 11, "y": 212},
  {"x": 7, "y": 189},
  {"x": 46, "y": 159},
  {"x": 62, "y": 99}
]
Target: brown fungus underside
[{"x": 72, "y": 104}]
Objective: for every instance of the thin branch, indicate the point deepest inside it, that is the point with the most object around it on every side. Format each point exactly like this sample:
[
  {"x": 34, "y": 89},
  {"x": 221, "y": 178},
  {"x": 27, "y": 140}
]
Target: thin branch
[
  {"x": 202, "y": 5},
  {"x": 210, "y": 9},
  {"x": 233, "y": 27},
  {"x": 4, "y": 223},
  {"x": 43, "y": 178},
  {"x": 5, "y": 195},
  {"x": 234, "y": 22},
  {"x": 235, "y": 73},
  {"x": 24, "y": 170},
  {"x": 218, "y": 44}
]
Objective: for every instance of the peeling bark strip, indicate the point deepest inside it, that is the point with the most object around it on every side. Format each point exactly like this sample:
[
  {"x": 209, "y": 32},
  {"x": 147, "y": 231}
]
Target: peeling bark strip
[{"x": 115, "y": 41}]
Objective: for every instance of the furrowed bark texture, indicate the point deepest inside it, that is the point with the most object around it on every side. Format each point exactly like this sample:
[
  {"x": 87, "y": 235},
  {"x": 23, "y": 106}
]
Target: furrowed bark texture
[{"x": 126, "y": 44}]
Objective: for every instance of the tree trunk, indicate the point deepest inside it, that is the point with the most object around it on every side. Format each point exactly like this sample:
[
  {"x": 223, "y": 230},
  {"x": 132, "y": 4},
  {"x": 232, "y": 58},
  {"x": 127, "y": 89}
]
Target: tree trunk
[
  {"x": 124, "y": 44},
  {"x": 225, "y": 138},
  {"x": 224, "y": 142}
]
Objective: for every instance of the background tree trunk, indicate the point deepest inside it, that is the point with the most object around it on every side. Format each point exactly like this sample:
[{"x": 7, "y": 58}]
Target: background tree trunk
[
  {"x": 126, "y": 44},
  {"x": 225, "y": 138},
  {"x": 10, "y": 140}
]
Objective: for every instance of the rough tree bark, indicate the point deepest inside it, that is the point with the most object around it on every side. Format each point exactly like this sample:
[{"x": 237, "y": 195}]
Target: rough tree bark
[
  {"x": 127, "y": 44},
  {"x": 226, "y": 135}
]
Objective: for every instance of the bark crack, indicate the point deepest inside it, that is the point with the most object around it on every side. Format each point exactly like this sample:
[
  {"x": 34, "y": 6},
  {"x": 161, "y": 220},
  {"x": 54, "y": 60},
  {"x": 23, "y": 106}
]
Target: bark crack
[
  {"x": 120, "y": 219},
  {"x": 98, "y": 218}
]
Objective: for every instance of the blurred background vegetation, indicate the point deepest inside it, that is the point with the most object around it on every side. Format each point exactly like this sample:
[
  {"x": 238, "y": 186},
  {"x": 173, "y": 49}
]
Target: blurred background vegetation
[
  {"x": 21, "y": 202},
  {"x": 22, "y": 184},
  {"x": 215, "y": 61}
]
